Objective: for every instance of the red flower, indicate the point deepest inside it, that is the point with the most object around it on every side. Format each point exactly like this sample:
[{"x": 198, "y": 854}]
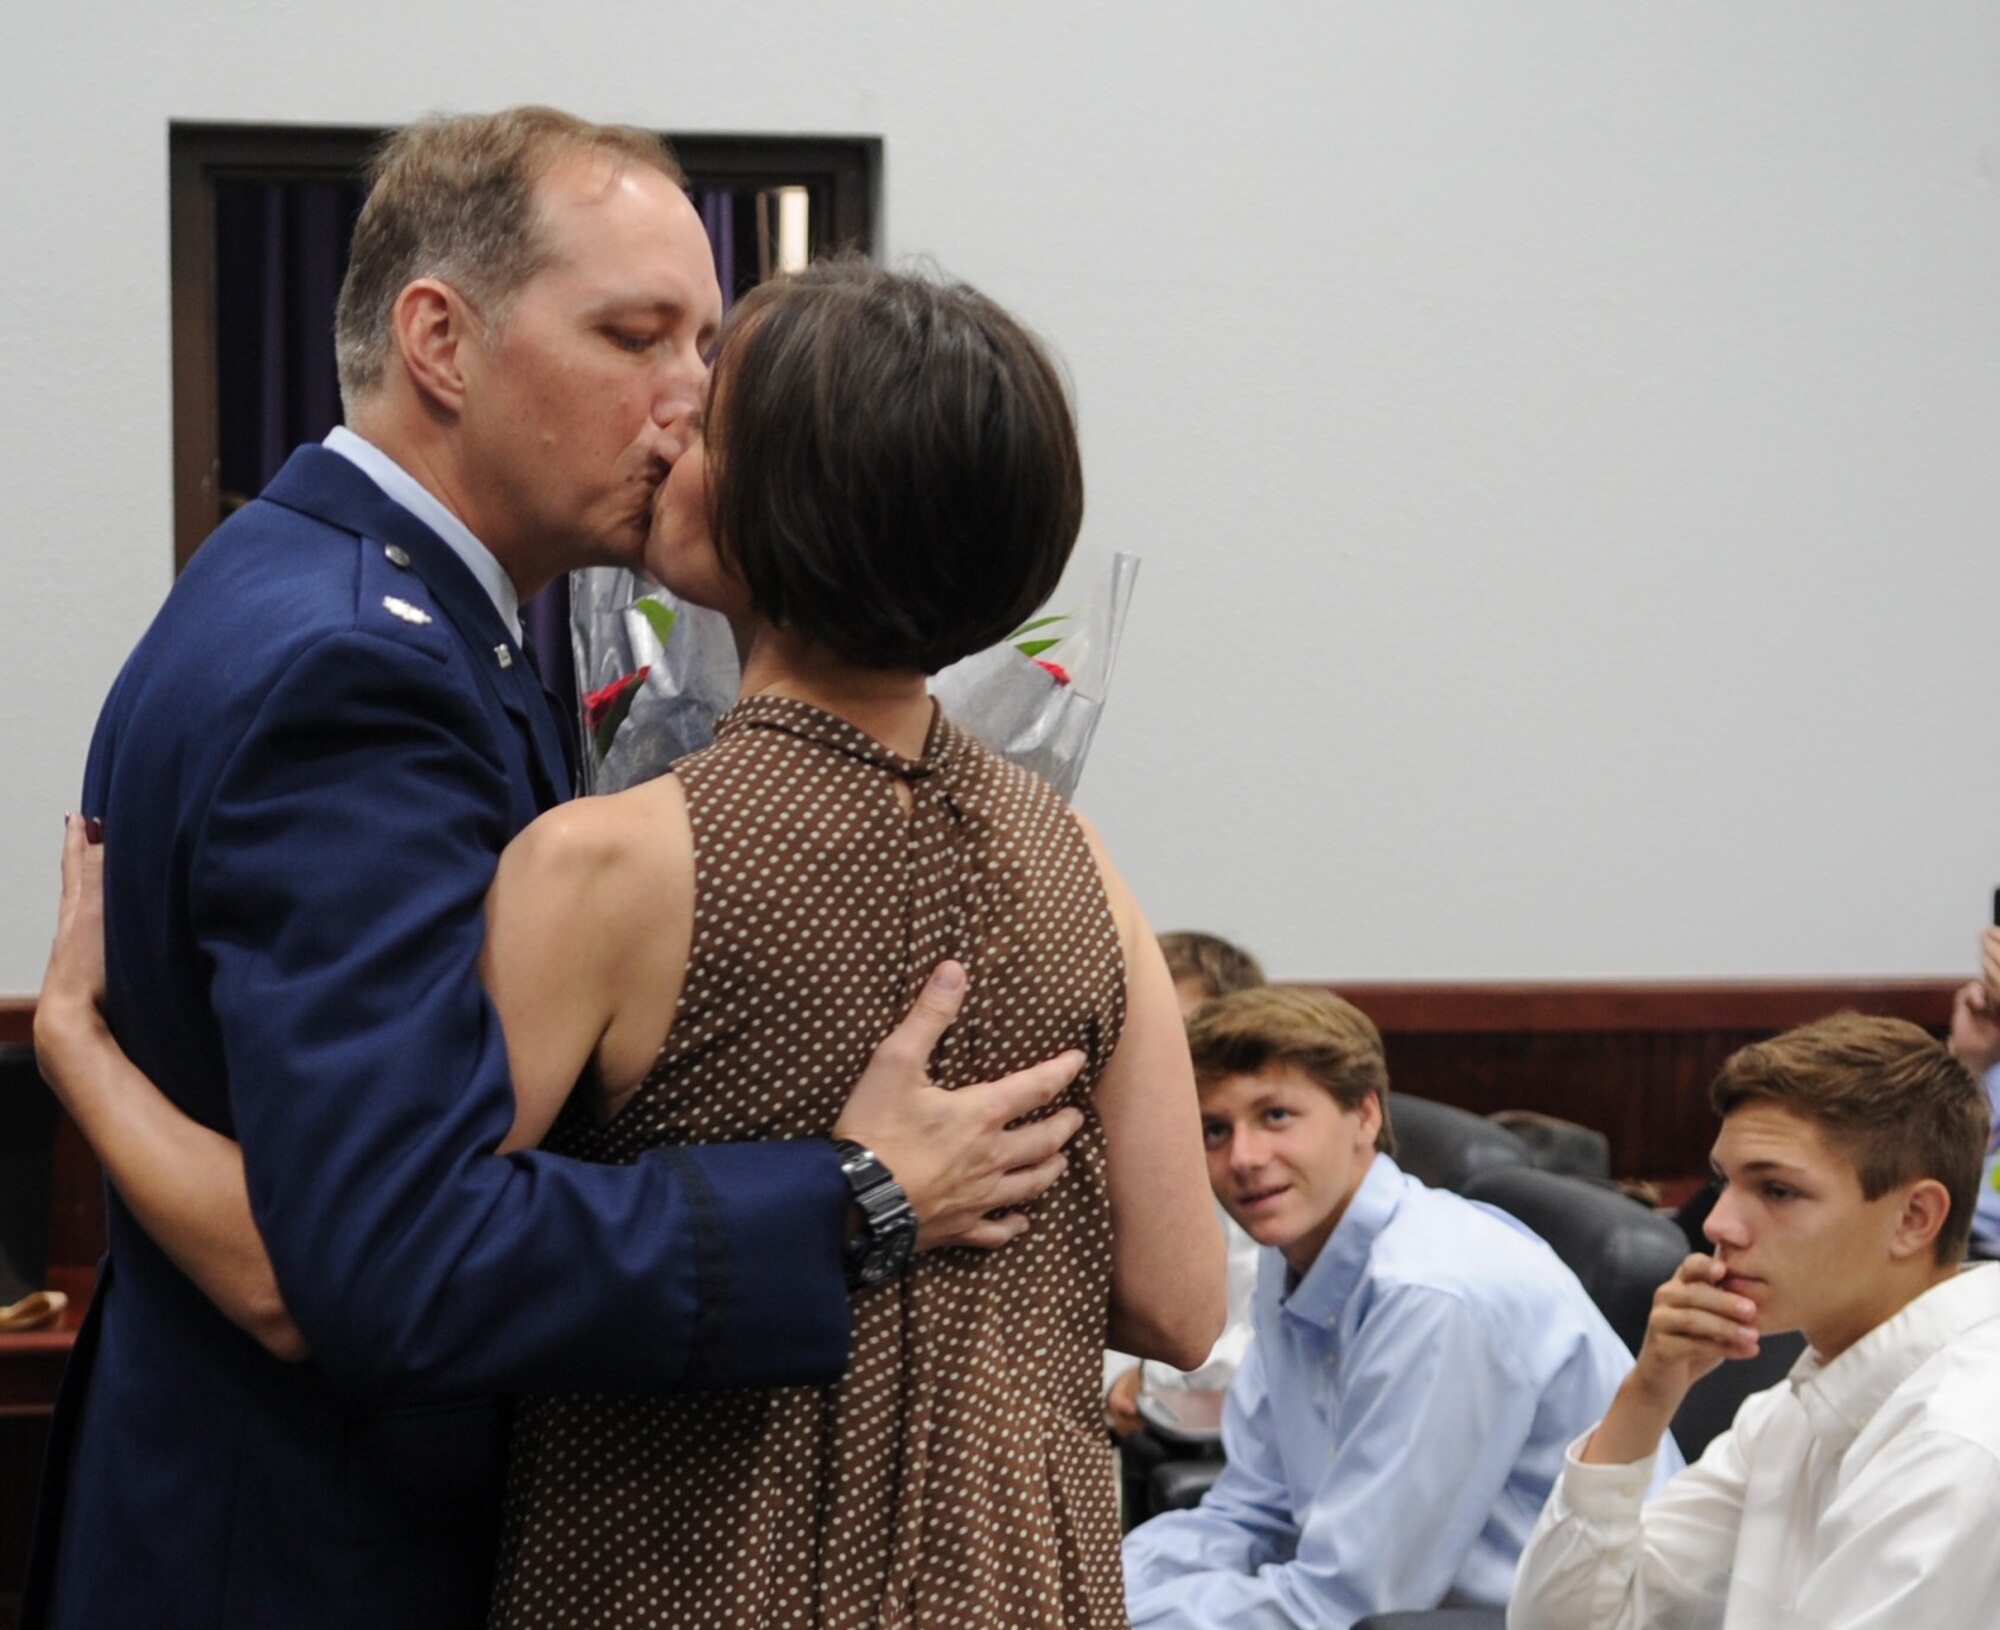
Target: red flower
[
  {"x": 1060, "y": 673},
  {"x": 599, "y": 703}
]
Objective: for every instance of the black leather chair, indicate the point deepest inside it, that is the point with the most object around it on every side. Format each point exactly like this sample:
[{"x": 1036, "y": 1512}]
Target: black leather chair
[
  {"x": 1178, "y": 1485},
  {"x": 1557, "y": 1145},
  {"x": 1712, "y": 1402},
  {"x": 1619, "y": 1249},
  {"x": 1448, "y": 1147}
]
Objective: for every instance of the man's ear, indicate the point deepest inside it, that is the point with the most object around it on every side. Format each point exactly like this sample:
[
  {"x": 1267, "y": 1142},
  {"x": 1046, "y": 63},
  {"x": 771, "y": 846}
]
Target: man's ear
[
  {"x": 1925, "y": 1208},
  {"x": 432, "y": 323},
  {"x": 1369, "y": 1114}
]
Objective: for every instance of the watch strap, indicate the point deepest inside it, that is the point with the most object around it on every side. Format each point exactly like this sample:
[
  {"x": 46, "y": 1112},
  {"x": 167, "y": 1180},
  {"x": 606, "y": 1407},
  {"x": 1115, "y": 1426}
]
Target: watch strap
[{"x": 881, "y": 1247}]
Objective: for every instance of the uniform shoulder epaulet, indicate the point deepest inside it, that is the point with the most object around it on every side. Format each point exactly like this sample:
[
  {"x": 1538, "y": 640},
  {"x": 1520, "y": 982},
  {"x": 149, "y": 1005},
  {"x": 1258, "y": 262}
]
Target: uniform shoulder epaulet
[{"x": 395, "y": 601}]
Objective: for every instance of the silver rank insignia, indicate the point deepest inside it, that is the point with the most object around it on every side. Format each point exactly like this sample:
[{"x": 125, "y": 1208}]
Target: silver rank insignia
[
  {"x": 503, "y": 656},
  {"x": 404, "y": 610}
]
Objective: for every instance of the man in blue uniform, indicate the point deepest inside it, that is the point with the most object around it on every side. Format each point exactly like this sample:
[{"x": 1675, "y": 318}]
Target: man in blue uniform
[{"x": 308, "y": 770}]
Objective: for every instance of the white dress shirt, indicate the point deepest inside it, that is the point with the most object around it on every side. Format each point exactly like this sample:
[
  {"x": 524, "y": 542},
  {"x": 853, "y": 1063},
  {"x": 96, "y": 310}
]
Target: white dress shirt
[
  {"x": 421, "y": 502},
  {"x": 1863, "y": 1494}
]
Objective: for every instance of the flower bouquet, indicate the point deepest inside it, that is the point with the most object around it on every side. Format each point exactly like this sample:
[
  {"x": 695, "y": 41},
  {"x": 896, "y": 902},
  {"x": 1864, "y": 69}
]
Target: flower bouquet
[
  {"x": 1036, "y": 697},
  {"x": 655, "y": 674}
]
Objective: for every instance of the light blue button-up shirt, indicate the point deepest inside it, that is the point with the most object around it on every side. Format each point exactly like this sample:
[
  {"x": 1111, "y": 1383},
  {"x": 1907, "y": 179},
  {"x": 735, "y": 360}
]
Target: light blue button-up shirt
[
  {"x": 1396, "y": 1427},
  {"x": 1986, "y": 1210}
]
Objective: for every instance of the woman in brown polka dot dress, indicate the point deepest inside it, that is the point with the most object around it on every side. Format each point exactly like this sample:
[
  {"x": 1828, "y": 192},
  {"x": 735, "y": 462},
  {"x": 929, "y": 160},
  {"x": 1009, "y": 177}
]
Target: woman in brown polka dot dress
[{"x": 889, "y": 481}]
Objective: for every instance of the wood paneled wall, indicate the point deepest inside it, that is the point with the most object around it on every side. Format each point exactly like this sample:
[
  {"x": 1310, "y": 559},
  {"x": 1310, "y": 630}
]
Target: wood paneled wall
[{"x": 1634, "y": 1061}]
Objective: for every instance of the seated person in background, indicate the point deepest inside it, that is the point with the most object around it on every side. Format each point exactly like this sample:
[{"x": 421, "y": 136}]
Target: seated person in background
[
  {"x": 1419, "y": 1364},
  {"x": 1202, "y": 966},
  {"x": 1205, "y": 965},
  {"x": 1865, "y": 1489},
  {"x": 1975, "y": 1043}
]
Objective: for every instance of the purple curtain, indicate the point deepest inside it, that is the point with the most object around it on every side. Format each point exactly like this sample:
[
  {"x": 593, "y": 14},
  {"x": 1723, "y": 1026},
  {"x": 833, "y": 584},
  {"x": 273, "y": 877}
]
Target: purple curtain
[
  {"x": 718, "y": 215},
  {"x": 281, "y": 251}
]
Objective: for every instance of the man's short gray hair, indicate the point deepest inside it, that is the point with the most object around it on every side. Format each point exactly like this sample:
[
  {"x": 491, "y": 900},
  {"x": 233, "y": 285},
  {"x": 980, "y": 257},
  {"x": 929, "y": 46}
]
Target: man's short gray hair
[{"x": 453, "y": 197}]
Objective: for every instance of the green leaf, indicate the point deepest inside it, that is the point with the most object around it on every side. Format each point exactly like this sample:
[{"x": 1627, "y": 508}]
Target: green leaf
[
  {"x": 1034, "y": 648},
  {"x": 1038, "y": 622},
  {"x": 659, "y": 618}
]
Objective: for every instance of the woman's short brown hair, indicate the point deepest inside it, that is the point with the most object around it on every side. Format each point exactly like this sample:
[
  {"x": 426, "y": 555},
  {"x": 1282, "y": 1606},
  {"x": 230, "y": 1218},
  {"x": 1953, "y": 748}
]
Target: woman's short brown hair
[
  {"x": 1885, "y": 1095},
  {"x": 1316, "y": 1032},
  {"x": 893, "y": 469},
  {"x": 453, "y": 197}
]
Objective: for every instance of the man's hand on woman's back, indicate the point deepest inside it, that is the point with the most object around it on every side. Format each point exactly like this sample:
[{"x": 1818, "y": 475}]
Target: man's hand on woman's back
[{"x": 961, "y": 1154}]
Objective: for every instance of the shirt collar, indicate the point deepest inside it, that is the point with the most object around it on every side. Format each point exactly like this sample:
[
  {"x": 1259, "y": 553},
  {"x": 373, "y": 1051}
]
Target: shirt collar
[
  {"x": 1842, "y": 1396},
  {"x": 421, "y": 502},
  {"x": 1323, "y": 1293}
]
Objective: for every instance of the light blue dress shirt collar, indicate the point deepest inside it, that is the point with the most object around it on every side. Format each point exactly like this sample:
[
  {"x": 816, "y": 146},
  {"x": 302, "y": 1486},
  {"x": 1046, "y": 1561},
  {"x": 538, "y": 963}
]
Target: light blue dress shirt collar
[
  {"x": 421, "y": 502},
  {"x": 1323, "y": 1293}
]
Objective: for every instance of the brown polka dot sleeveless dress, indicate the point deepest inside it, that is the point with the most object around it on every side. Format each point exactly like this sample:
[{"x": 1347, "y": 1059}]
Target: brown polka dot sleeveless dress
[{"x": 959, "y": 1476}]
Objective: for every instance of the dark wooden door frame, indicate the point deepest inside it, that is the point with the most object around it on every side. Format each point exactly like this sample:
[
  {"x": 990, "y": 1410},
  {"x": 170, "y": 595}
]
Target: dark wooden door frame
[
  {"x": 843, "y": 172},
  {"x": 198, "y": 156}
]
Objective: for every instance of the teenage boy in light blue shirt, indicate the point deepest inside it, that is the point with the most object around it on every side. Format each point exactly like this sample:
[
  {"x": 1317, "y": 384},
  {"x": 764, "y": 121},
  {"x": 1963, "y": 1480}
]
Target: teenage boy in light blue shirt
[
  {"x": 1975, "y": 1043},
  {"x": 1420, "y": 1362}
]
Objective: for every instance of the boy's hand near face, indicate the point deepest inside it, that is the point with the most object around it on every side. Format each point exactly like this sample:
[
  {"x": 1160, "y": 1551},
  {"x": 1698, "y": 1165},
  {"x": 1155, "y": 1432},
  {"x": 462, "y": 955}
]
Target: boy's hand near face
[
  {"x": 1121, "y": 1403},
  {"x": 1694, "y": 1326}
]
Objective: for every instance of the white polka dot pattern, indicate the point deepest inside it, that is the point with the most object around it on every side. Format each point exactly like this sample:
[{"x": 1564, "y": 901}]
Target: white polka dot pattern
[{"x": 959, "y": 1475}]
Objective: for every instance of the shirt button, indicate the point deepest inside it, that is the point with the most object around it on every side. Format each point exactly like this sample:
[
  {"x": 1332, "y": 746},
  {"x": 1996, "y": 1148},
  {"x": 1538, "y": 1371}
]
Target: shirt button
[{"x": 399, "y": 557}]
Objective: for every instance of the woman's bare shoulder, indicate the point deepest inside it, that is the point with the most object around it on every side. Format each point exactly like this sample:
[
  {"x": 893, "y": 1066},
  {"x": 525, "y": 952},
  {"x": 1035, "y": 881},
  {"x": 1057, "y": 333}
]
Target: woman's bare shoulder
[{"x": 618, "y": 838}]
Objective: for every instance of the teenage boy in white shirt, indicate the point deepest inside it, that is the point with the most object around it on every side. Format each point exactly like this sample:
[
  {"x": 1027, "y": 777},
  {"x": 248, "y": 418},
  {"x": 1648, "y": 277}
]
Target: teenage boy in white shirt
[{"x": 1862, "y": 1493}]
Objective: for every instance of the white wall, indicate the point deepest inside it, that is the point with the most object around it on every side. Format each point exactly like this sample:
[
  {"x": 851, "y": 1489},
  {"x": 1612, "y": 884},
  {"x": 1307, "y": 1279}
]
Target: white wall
[{"x": 1561, "y": 436}]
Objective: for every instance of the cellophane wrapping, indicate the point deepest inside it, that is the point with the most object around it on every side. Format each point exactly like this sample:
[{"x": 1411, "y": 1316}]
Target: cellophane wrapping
[{"x": 655, "y": 674}]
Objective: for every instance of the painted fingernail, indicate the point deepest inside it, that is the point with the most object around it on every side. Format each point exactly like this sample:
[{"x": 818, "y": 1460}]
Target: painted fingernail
[{"x": 93, "y": 830}]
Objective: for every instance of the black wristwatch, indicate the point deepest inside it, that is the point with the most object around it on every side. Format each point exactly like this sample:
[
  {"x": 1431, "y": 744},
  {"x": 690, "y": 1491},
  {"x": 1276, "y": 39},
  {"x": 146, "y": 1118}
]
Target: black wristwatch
[{"x": 881, "y": 1248}]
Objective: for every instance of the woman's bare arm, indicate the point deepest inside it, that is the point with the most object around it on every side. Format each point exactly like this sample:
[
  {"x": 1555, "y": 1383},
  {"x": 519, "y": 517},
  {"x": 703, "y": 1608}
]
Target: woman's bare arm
[
  {"x": 184, "y": 1182},
  {"x": 1168, "y": 1299}
]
